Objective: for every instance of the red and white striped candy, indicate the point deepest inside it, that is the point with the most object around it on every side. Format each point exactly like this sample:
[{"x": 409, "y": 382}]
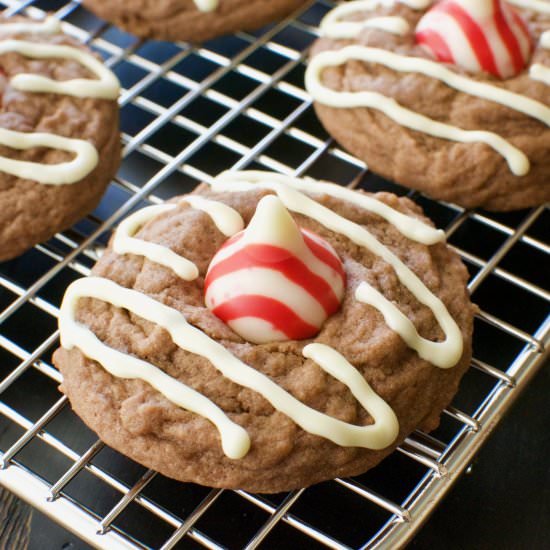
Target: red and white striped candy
[
  {"x": 477, "y": 35},
  {"x": 274, "y": 281}
]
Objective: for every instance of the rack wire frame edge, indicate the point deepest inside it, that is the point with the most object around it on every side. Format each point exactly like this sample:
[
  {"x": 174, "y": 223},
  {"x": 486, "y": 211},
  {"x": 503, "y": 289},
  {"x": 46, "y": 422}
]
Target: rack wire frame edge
[{"x": 446, "y": 468}]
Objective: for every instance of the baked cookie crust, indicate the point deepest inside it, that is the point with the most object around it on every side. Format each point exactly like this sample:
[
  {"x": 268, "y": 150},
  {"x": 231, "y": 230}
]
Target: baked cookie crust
[
  {"x": 141, "y": 423},
  {"x": 183, "y": 20},
  {"x": 469, "y": 174},
  {"x": 32, "y": 212}
]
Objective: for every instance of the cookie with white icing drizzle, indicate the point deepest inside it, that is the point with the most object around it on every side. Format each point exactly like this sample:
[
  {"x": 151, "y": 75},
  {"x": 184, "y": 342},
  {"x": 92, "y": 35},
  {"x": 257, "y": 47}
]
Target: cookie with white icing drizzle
[
  {"x": 190, "y": 20},
  {"x": 266, "y": 402},
  {"x": 59, "y": 136},
  {"x": 449, "y": 98}
]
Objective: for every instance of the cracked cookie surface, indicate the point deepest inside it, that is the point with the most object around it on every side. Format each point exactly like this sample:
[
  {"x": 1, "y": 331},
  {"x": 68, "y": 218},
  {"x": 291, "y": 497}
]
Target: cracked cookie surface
[
  {"x": 141, "y": 423},
  {"x": 183, "y": 20},
  {"x": 32, "y": 212}
]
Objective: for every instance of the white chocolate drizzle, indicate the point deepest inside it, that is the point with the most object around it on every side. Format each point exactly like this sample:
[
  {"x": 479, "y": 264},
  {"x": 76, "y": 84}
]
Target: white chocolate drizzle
[
  {"x": 538, "y": 71},
  {"x": 400, "y": 63},
  {"x": 413, "y": 4},
  {"x": 206, "y": 5},
  {"x": 235, "y": 440},
  {"x": 518, "y": 162},
  {"x": 333, "y": 26},
  {"x": 125, "y": 243},
  {"x": 401, "y": 324},
  {"x": 226, "y": 219},
  {"x": 50, "y": 25},
  {"x": 443, "y": 354},
  {"x": 49, "y": 174},
  {"x": 409, "y": 227},
  {"x": 386, "y": 426},
  {"x": 105, "y": 87}
]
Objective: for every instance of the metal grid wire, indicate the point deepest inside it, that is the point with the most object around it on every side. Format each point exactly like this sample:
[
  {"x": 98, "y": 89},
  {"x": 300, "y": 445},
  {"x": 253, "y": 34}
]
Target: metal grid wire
[{"x": 188, "y": 113}]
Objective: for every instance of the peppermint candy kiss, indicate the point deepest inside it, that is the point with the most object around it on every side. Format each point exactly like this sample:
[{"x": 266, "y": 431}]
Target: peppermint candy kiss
[
  {"x": 477, "y": 35},
  {"x": 274, "y": 281}
]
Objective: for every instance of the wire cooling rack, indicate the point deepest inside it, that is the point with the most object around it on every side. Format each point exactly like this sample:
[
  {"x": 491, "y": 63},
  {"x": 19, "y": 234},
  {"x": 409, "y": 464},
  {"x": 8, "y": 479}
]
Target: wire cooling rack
[{"x": 188, "y": 113}]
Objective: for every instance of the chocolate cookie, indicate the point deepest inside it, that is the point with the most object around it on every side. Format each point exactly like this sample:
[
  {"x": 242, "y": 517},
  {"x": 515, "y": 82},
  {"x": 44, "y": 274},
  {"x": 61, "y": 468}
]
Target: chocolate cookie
[
  {"x": 452, "y": 100},
  {"x": 59, "y": 137},
  {"x": 190, "y": 20},
  {"x": 308, "y": 345}
]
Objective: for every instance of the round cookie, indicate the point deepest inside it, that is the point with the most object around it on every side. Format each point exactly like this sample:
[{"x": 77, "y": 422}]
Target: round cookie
[
  {"x": 59, "y": 134},
  {"x": 160, "y": 330},
  {"x": 190, "y": 20},
  {"x": 466, "y": 149}
]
